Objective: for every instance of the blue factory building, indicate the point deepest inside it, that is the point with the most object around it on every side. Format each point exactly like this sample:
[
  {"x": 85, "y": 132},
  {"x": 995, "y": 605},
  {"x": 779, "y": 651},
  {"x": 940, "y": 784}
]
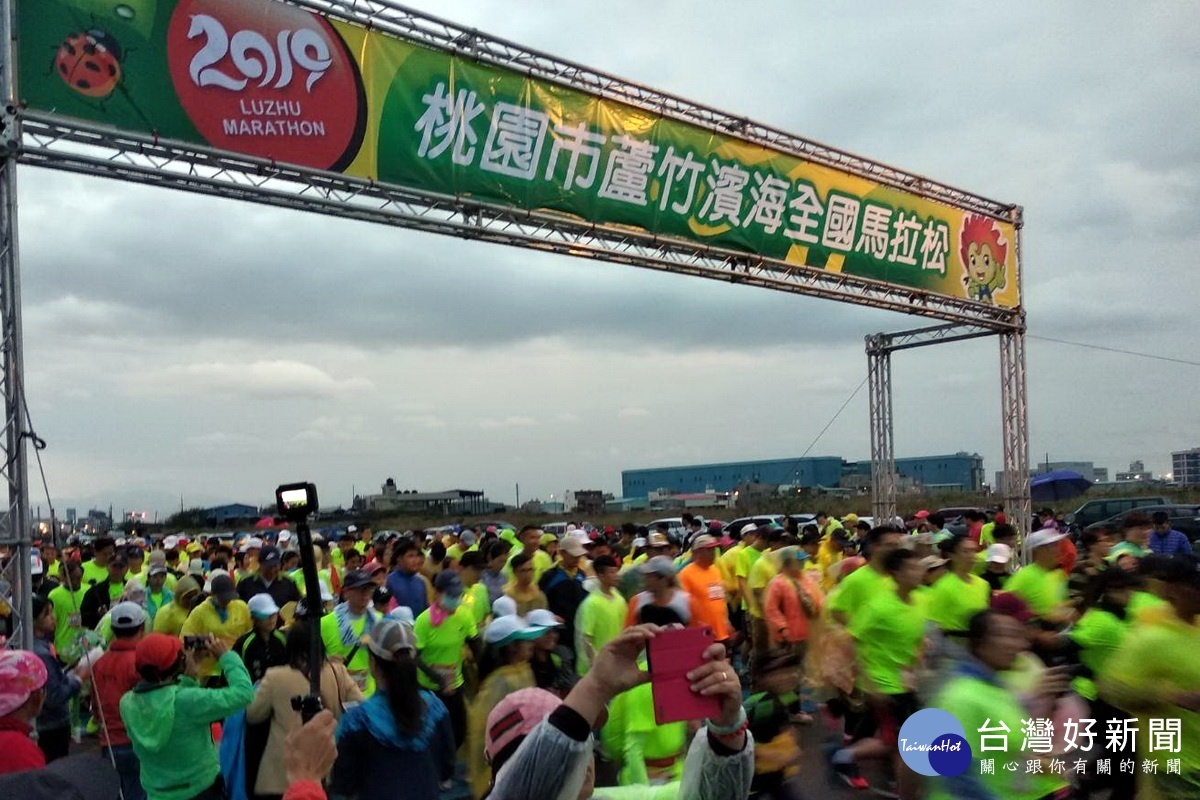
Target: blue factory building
[{"x": 958, "y": 471}]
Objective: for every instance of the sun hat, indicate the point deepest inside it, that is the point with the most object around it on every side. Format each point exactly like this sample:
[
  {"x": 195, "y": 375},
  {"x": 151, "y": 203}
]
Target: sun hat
[
  {"x": 512, "y": 628},
  {"x": 21, "y": 674},
  {"x": 262, "y": 606},
  {"x": 513, "y": 719},
  {"x": 704, "y": 542},
  {"x": 388, "y": 638}
]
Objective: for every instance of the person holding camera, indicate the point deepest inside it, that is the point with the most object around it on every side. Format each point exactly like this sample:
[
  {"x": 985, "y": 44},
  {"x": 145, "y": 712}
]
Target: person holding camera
[
  {"x": 168, "y": 716},
  {"x": 223, "y": 616}
]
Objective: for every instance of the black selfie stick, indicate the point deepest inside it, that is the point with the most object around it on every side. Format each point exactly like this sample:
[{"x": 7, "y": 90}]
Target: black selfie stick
[{"x": 308, "y": 705}]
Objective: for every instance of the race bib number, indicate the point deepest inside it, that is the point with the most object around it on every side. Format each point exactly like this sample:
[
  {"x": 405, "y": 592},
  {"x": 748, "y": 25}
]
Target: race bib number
[
  {"x": 360, "y": 679},
  {"x": 716, "y": 591}
]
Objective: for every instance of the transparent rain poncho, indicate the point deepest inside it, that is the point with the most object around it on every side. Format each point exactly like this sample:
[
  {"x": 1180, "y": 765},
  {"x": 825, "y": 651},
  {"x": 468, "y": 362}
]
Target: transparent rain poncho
[{"x": 549, "y": 765}]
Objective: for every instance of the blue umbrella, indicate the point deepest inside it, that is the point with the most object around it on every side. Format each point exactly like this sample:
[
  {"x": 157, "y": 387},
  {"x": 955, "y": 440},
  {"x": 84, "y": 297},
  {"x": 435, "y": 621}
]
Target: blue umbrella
[{"x": 1061, "y": 484}]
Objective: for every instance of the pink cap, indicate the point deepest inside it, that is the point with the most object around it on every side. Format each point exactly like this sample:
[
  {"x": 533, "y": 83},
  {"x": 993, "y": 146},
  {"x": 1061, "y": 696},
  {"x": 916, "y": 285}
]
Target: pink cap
[{"x": 515, "y": 717}]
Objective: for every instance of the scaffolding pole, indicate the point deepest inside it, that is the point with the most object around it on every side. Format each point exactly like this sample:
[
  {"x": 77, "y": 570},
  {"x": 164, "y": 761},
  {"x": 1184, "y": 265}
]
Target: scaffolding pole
[
  {"x": 15, "y": 528},
  {"x": 883, "y": 454}
]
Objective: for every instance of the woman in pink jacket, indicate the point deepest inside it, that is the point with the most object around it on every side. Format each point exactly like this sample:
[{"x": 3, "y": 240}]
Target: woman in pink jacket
[{"x": 792, "y": 605}]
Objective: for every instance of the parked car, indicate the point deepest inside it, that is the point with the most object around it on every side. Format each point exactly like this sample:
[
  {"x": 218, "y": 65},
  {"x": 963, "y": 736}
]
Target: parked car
[
  {"x": 1184, "y": 518},
  {"x": 1097, "y": 510},
  {"x": 762, "y": 519},
  {"x": 675, "y": 526}
]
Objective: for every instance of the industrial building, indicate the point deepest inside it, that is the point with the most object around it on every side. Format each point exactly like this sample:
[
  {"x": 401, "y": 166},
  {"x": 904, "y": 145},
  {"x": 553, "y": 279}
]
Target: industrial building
[{"x": 960, "y": 471}]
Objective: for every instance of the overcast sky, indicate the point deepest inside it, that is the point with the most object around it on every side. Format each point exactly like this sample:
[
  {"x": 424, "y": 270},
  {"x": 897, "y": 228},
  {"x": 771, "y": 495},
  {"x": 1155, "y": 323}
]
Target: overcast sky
[{"x": 185, "y": 346}]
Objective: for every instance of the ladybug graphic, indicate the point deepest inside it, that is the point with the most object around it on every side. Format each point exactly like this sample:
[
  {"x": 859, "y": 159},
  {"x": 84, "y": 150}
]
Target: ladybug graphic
[{"x": 90, "y": 63}]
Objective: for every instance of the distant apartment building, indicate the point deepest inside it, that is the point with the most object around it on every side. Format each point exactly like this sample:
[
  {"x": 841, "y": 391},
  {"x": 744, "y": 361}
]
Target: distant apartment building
[{"x": 1185, "y": 467}]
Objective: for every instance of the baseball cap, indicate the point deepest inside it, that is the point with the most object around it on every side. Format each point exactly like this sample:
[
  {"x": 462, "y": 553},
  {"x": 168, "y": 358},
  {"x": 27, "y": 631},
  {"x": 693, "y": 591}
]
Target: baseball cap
[
  {"x": 659, "y": 565},
  {"x": 221, "y": 587},
  {"x": 704, "y": 542},
  {"x": 1010, "y": 605},
  {"x": 933, "y": 562},
  {"x": 1044, "y": 537},
  {"x": 543, "y": 618},
  {"x": 21, "y": 674},
  {"x": 285, "y": 537},
  {"x": 356, "y": 579},
  {"x": 78, "y": 777},
  {"x": 448, "y": 583},
  {"x": 639, "y": 541},
  {"x": 158, "y": 650},
  {"x": 998, "y": 554},
  {"x": 401, "y": 614},
  {"x": 196, "y": 567},
  {"x": 548, "y": 538},
  {"x": 254, "y": 543},
  {"x": 127, "y": 615},
  {"x": 170, "y": 543},
  {"x": 573, "y": 546},
  {"x": 194, "y": 547},
  {"x": 511, "y": 628},
  {"x": 504, "y": 606},
  {"x": 134, "y": 589},
  {"x": 850, "y": 519},
  {"x": 262, "y": 606},
  {"x": 657, "y": 539},
  {"x": 513, "y": 719},
  {"x": 351, "y": 529},
  {"x": 388, "y": 638},
  {"x": 157, "y": 569},
  {"x": 269, "y": 556}
]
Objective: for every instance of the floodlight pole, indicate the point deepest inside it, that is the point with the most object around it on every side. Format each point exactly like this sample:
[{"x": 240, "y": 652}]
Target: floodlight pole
[{"x": 15, "y": 531}]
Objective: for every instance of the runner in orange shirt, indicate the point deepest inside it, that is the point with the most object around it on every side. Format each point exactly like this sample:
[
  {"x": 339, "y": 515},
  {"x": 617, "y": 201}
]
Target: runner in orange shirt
[{"x": 702, "y": 580}]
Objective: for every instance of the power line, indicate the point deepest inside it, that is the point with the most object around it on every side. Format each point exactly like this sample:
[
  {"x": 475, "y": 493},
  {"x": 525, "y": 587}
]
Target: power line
[
  {"x": 1118, "y": 350},
  {"x": 829, "y": 424}
]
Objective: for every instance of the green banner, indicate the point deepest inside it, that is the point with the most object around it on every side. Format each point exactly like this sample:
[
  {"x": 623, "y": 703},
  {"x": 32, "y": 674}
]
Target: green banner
[{"x": 261, "y": 78}]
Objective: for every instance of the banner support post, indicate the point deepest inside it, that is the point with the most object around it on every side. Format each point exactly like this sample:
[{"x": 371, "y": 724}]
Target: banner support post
[{"x": 15, "y": 530}]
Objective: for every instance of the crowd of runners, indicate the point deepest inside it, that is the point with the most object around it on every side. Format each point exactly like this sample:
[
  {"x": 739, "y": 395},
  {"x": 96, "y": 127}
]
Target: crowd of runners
[{"x": 511, "y": 663}]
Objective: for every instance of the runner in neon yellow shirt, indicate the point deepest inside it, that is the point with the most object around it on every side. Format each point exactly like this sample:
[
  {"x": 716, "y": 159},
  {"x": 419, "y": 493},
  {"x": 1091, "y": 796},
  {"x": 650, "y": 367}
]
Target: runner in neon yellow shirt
[
  {"x": 959, "y": 594},
  {"x": 1156, "y": 675},
  {"x": 859, "y": 587},
  {"x": 1042, "y": 584},
  {"x": 601, "y": 615},
  {"x": 888, "y": 633}
]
